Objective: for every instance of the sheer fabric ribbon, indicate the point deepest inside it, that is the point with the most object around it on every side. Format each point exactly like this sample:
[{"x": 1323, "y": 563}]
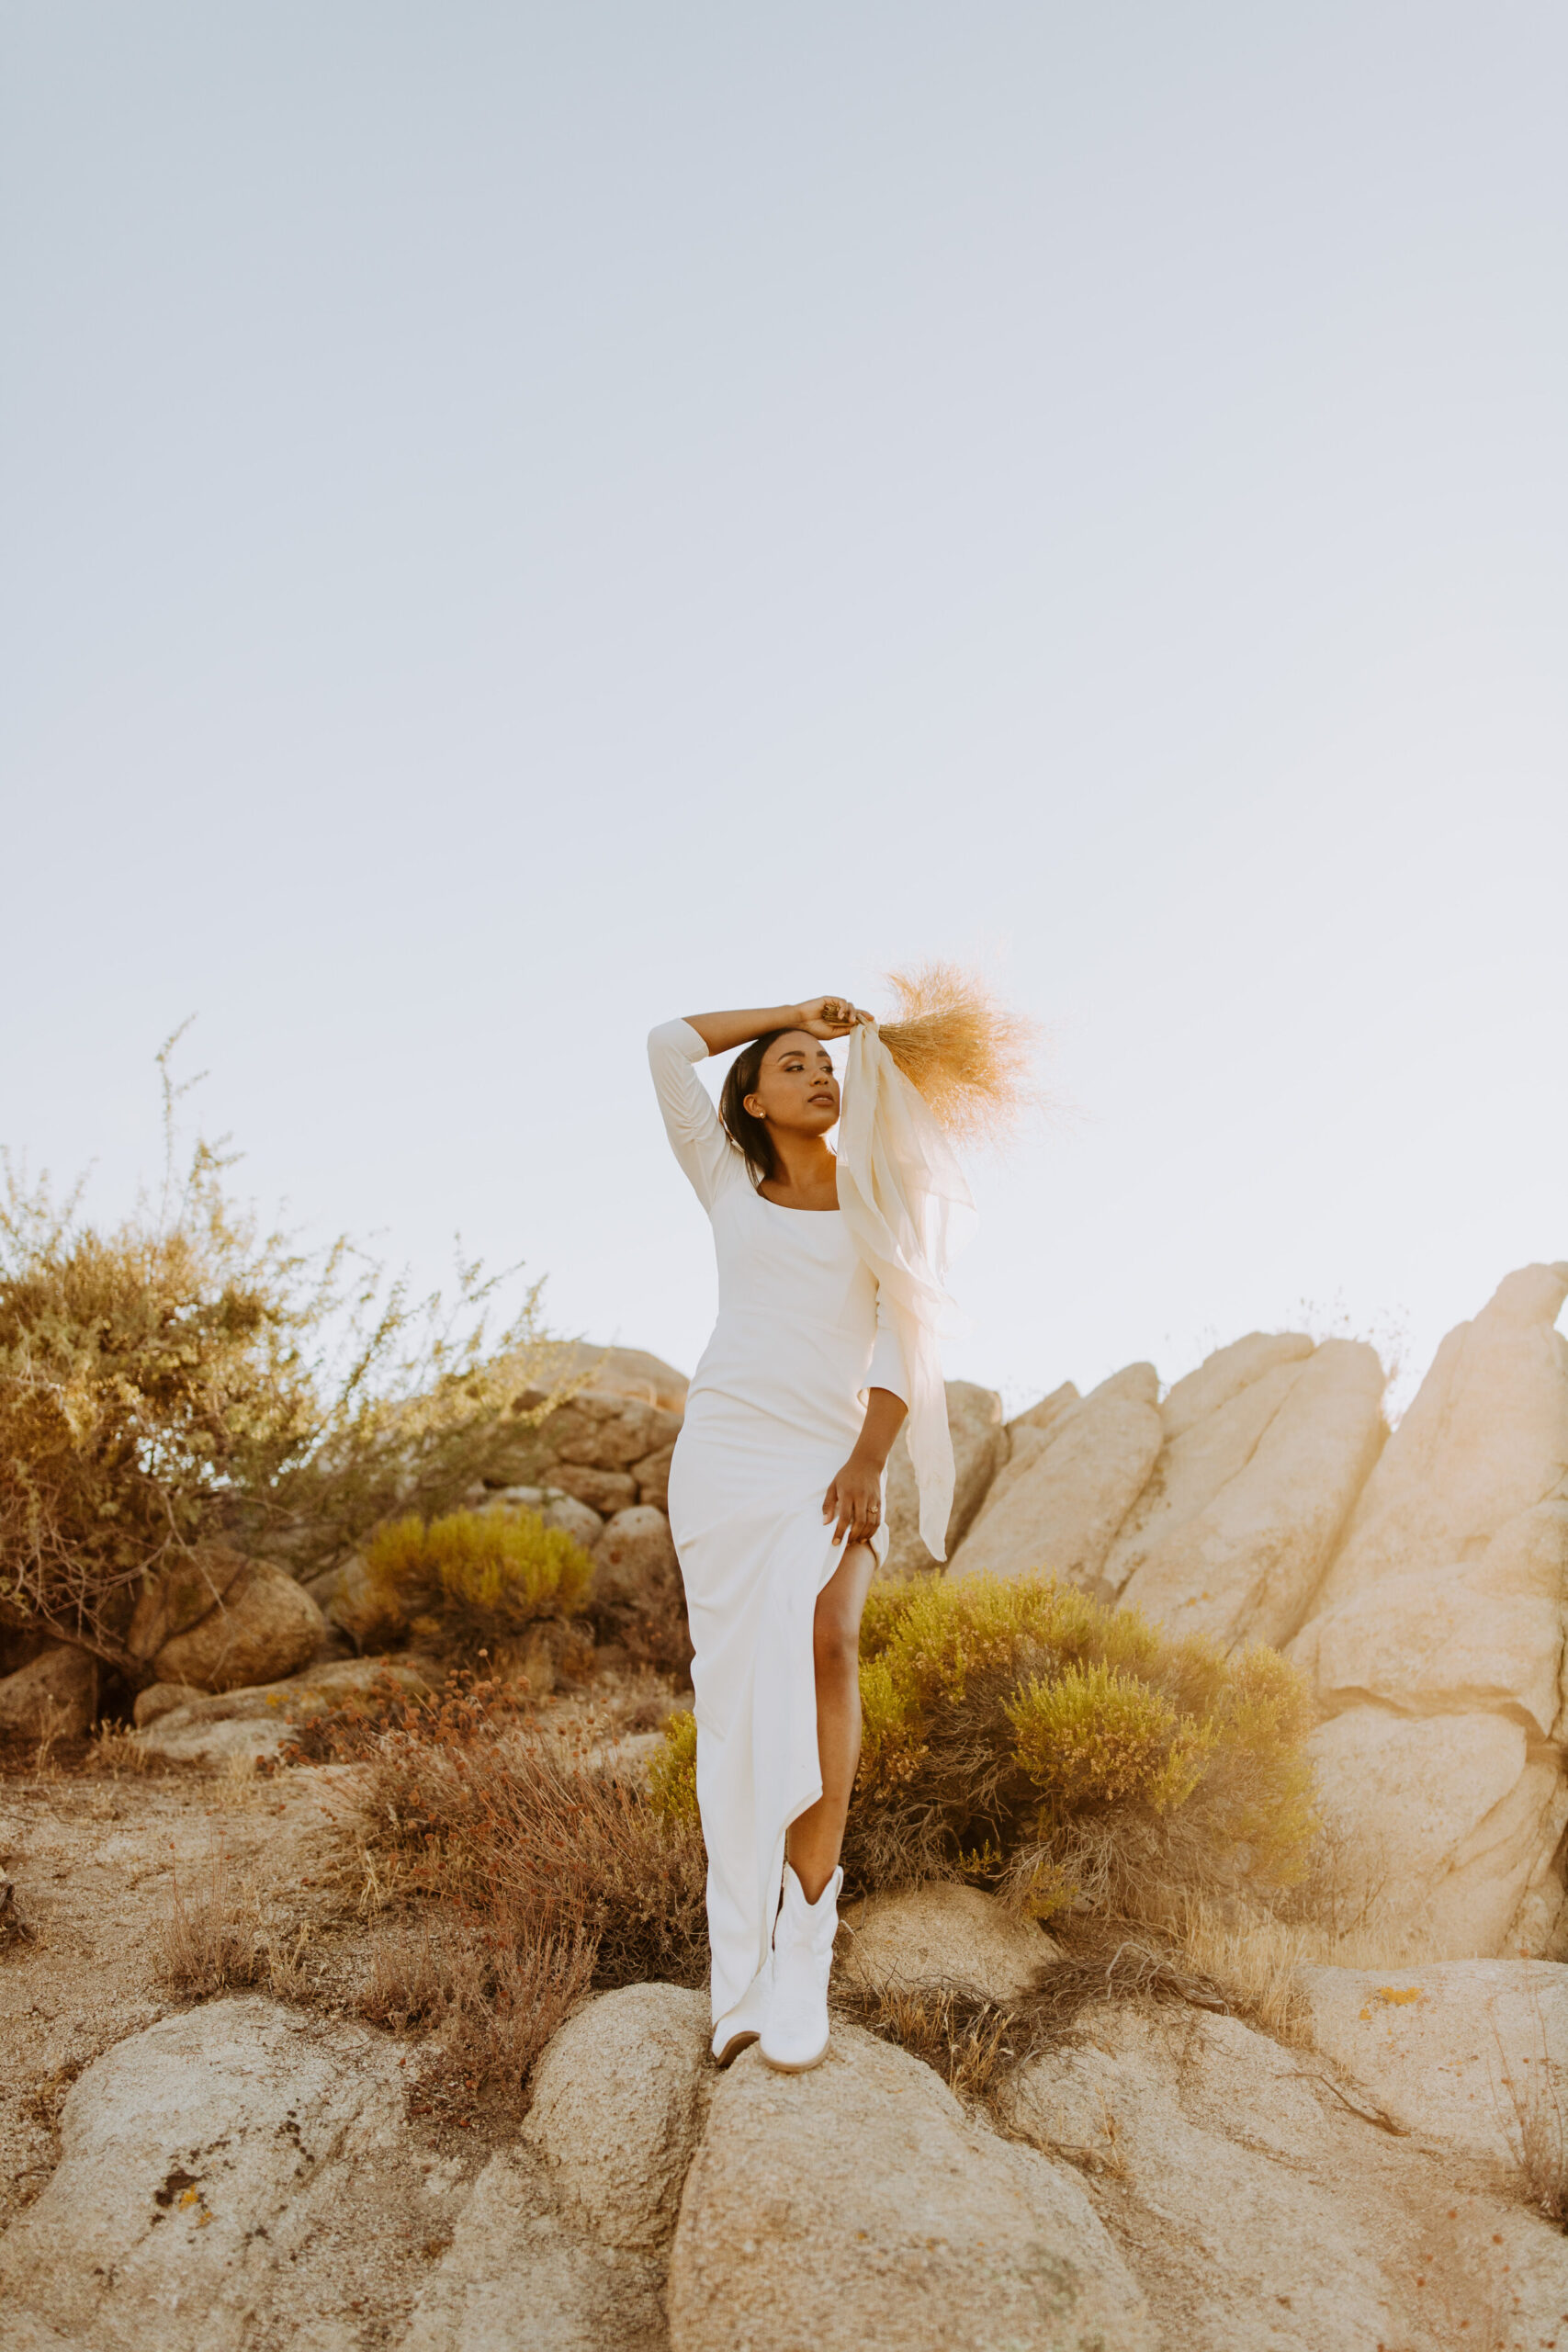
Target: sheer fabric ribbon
[{"x": 904, "y": 1197}]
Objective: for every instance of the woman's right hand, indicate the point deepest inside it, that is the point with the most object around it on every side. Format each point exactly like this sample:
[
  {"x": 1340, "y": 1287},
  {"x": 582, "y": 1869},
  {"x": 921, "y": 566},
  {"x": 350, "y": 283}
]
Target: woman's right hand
[{"x": 831, "y": 1016}]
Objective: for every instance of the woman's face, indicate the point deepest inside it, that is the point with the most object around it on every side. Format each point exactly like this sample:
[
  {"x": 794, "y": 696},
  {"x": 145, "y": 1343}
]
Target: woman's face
[{"x": 796, "y": 1087}]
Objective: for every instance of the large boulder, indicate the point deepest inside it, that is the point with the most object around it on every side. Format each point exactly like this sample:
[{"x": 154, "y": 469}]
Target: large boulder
[
  {"x": 199, "y": 2160},
  {"x": 1291, "y": 1452},
  {"x": 1461, "y": 2052},
  {"x": 220, "y": 1621},
  {"x": 1451, "y": 1820},
  {"x": 517, "y": 2279},
  {"x": 55, "y": 1697},
  {"x": 1485, "y": 1440},
  {"x": 979, "y": 1449},
  {"x": 939, "y": 1938},
  {"x": 1263, "y": 2214},
  {"x": 618, "y": 2101},
  {"x": 1062, "y": 1497},
  {"x": 562, "y": 2246},
  {"x": 858, "y": 2205}
]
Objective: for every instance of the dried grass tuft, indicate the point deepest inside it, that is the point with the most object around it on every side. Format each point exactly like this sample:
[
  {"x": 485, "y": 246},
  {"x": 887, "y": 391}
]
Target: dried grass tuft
[
  {"x": 971, "y": 1060},
  {"x": 971, "y": 2043},
  {"x": 489, "y": 2002}
]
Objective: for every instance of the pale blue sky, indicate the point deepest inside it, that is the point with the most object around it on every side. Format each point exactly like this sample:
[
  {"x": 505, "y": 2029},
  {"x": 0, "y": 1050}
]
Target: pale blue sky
[{"x": 521, "y": 521}]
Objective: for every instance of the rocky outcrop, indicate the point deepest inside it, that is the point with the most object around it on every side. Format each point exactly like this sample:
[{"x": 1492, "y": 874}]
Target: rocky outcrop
[
  {"x": 54, "y": 1697},
  {"x": 1067, "y": 1487},
  {"x": 1252, "y": 1495},
  {"x": 1461, "y": 2053},
  {"x": 979, "y": 1450},
  {"x": 937, "y": 1939},
  {"x": 1436, "y": 1644},
  {"x": 634, "y": 1559},
  {"x": 1264, "y": 2209},
  {"x": 859, "y": 2205},
  {"x": 1485, "y": 1440}
]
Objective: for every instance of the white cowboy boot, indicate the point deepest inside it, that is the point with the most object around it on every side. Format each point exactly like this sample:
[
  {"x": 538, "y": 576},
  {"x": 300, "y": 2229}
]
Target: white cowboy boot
[
  {"x": 740, "y": 2026},
  {"x": 795, "y": 2034}
]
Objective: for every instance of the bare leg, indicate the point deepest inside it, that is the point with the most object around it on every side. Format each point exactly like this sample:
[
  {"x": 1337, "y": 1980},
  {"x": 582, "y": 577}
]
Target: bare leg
[{"x": 815, "y": 1838}]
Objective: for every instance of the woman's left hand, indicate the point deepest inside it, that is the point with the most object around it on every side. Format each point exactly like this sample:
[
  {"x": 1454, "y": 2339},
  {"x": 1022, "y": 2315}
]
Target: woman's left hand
[{"x": 853, "y": 1501}]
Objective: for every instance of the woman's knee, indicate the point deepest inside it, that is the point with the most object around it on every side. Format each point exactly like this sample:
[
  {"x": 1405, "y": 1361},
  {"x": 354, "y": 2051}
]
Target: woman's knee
[{"x": 836, "y": 1639}]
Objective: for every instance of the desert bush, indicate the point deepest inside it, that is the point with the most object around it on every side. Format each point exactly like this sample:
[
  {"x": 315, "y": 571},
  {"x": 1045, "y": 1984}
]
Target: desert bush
[
  {"x": 478, "y": 1811},
  {"x": 494, "y": 2001},
  {"x": 473, "y": 1579},
  {"x": 1066, "y": 1755},
  {"x": 186, "y": 1375}
]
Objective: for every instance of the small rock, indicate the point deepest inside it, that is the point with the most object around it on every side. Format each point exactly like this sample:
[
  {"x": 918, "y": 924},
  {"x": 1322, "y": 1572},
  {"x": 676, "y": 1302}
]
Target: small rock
[
  {"x": 944, "y": 1938},
  {"x": 56, "y": 1695},
  {"x": 634, "y": 1558},
  {"x": 603, "y": 1490},
  {"x": 161, "y": 1699},
  {"x": 652, "y": 1475}
]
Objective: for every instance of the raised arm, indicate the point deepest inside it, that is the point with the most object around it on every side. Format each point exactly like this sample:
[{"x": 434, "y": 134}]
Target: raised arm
[{"x": 819, "y": 1016}]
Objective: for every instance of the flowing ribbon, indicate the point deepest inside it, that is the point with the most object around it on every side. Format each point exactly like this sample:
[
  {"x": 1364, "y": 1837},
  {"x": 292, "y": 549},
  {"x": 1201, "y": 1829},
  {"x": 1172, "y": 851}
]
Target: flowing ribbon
[{"x": 903, "y": 1193}]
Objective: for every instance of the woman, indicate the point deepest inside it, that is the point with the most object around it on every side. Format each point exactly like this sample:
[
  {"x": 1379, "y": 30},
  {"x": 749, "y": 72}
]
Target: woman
[{"x": 776, "y": 1485}]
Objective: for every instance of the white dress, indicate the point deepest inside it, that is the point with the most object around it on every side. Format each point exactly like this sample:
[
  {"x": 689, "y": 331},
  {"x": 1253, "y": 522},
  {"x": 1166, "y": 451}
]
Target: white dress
[{"x": 773, "y": 1411}]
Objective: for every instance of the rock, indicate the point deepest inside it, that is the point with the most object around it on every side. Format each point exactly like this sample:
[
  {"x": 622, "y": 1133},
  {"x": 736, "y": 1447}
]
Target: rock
[
  {"x": 181, "y": 1596},
  {"x": 264, "y": 1626},
  {"x": 209, "y": 1727},
  {"x": 1455, "y": 1640},
  {"x": 600, "y": 1430},
  {"x": 199, "y": 2160},
  {"x": 1197, "y": 1463},
  {"x": 634, "y": 1560},
  {"x": 1443, "y": 2049},
  {"x": 979, "y": 1449},
  {"x": 1060, "y": 1510},
  {"x": 1451, "y": 1815},
  {"x": 604, "y": 1491},
  {"x": 943, "y": 1938},
  {"x": 858, "y": 2206},
  {"x": 56, "y": 1696},
  {"x": 345, "y": 1594},
  {"x": 562, "y": 2246},
  {"x": 161, "y": 1699},
  {"x": 556, "y": 1510},
  {"x": 1261, "y": 2214},
  {"x": 1485, "y": 1439},
  {"x": 618, "y": 2100},
  {"x": 652, "y": 1475},
  {"x": 1050, "y": 1408},
  {"x": 1246, "y": 1565},
  {"x": 620, "y": 1372},
  {"x": 1226, "y": 1373},
  {"x": 515, "y": 2279}
]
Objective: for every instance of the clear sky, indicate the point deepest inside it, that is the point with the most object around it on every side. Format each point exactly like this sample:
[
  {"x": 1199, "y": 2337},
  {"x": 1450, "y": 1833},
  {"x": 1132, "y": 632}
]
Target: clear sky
[{"x": 520, "y": 521}]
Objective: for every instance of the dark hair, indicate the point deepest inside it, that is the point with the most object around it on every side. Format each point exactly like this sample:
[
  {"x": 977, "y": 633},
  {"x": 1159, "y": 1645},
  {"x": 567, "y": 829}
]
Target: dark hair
[{"x": 745, "y": 1129}]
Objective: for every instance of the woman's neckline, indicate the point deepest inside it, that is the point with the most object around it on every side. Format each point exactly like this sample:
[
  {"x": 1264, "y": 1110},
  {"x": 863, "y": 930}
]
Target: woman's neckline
[{"x": 784, "y": 1205}]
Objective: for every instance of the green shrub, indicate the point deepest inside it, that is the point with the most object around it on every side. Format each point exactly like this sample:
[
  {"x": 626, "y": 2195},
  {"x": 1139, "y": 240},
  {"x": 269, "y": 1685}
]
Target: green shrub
[
  {"x": 672, "y": 1771},
  {"x": 480, "y": 1577},
  {"x": 1024, "y": 1735}
]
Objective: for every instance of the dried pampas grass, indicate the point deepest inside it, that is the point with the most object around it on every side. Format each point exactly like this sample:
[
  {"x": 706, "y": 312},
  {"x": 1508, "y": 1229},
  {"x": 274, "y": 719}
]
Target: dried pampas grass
[{"x": 970, "y": 1059}]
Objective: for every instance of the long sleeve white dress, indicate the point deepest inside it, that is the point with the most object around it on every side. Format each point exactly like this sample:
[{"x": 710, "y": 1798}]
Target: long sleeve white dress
[{"x": 773, "y": 1411}]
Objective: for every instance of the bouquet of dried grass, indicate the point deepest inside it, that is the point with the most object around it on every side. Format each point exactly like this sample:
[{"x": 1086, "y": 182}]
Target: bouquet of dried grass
[{"x": 969, "y": 1059}]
